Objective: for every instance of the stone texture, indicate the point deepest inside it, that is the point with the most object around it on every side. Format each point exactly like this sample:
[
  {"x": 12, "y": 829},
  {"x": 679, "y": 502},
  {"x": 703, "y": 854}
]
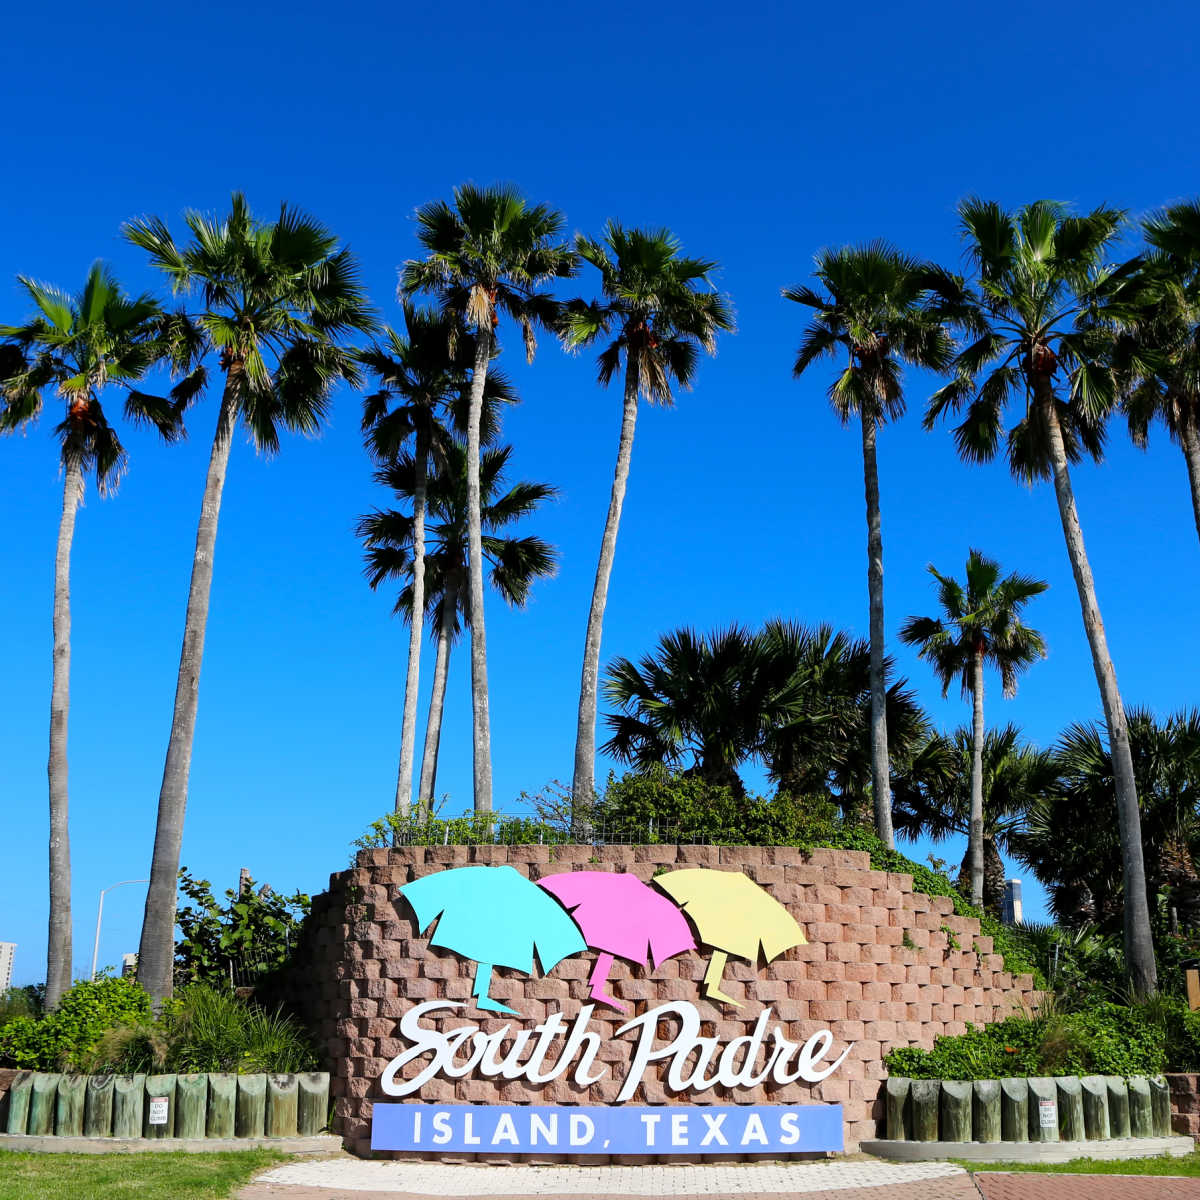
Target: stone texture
[{"x": 859, "y": 976}]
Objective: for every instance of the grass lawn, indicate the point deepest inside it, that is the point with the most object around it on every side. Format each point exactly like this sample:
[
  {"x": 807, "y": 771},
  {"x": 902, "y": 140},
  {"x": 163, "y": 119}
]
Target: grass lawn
[
  {"x": 1164, "y": 1164},
  {"x": 146, "y": 1176}
]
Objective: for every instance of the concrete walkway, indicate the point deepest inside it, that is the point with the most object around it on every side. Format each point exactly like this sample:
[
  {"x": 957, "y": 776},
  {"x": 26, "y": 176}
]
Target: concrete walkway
[
  {"x": 346, "y": 1178},
  {"x": 354, "y": 1179}
]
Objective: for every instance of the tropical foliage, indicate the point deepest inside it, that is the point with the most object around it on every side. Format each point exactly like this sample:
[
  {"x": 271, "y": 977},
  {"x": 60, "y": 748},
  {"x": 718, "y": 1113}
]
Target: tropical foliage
[
  {"x": 277, "y": 301},
  {"x": 1041, "y": 317},
  {"x": 74, "y": 347},
  {"x": 980, "y": 626},
  {"x": 659, "y": 309},
  {"x": 1047, "y": 335}
]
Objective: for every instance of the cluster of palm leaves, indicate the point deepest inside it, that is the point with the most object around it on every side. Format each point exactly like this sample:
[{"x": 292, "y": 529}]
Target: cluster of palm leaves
[
  {"x": 1049, "y": 324},
  {"x": 1044, "y": 321},
  {"x": 792, "y": 697}
]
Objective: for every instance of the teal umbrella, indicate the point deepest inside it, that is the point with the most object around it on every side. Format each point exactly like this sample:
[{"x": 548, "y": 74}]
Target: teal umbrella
[{"x": 495, "y": 916}]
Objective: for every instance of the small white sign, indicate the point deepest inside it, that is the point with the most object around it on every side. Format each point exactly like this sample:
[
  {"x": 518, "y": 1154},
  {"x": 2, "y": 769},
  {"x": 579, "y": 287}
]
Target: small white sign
[
  {"x": 1048, "y": 1114},
  {"x": 158, "y": 1110}
]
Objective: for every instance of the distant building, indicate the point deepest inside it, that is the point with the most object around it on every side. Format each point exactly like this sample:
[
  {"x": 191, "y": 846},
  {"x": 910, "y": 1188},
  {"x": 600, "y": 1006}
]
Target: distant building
[
  {"x": 8, "y": 951},
  {"x": 128, "y": 965},
  {"x": 1012, "y": 902}
]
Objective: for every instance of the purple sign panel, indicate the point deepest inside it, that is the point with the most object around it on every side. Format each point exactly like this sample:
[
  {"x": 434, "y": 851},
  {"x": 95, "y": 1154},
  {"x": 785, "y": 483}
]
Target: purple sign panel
[{"x": 608, "y": 1129}]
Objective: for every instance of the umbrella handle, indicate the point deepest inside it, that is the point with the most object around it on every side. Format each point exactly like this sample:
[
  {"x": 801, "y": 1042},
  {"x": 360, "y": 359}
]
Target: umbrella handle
[
  {"x": 599, "y": 978},
  {"x": 712, "y": 978},
  {"x": 483, "y": 981}
]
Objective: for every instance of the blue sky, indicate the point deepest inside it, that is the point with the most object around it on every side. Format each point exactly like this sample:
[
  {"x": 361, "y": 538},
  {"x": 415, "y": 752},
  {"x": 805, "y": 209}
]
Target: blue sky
[{"x": 759, "y": 133}]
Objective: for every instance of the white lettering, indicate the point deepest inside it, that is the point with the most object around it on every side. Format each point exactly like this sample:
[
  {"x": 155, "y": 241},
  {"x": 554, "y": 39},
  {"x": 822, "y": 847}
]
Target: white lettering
[
  {"x": 789, "y": 1129},
  {"x": 506, "y": 1131},
  {"x": 650, "y": 1120},
  {"x": 814, "y": 1050},
  {"x": 733, "y": 1076},
  {"x": 442, "y": 1132},
  {"x": 754, "y": 1131},
  {"x": 416, "y": 1129},
  {"x": 547, "y": 1129},
  {"x": 679, "y": 1129},
  {"x": 577, "y": 1125},
  {"x": 552, "y": 1049},
  {"x": 469, "y": 1138},
  {"x": 713, "y": 1132}
]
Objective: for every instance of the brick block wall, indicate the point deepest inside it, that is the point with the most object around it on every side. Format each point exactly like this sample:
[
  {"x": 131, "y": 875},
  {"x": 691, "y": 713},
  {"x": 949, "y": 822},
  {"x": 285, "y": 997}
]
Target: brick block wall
[
  {"x": 860, "y": 976},
  {"x": 1185, "y": 1104}
]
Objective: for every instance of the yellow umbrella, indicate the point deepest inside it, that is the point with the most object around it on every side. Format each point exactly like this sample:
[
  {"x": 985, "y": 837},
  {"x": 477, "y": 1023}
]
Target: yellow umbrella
[{"x": 732, "y": 915}]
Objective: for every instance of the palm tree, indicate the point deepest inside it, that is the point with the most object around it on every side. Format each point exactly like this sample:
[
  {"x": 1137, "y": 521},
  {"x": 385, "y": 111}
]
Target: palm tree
[
  {"x": 76, "y": 346},
  {"x": 1068, "y": 837},
  {"x": 422, "y": 382},
  {"x": 980, "y": 626},
  {"x": 488, "y": 253},
  {"x": 935, "y": 804},
  {"x": 278, "y": 298},
  {"x": 874, "y": 310},
  {"x": 1045, "y": 304},
  {"x": 819, "y": 744},
  {"x": 701, "y": 702},
  {"x": 655, "y": 306},
  {"x": 1161, "y": 379},
  {"x": 389, "y": 538}
]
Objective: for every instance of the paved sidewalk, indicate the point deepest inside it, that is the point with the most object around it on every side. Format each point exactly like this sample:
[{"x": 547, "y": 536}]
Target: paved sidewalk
[
  {"x": 1024, "y": 1186},
  {"x": 347, "y": 1178},
  {"x": 354, "y": 1179}
]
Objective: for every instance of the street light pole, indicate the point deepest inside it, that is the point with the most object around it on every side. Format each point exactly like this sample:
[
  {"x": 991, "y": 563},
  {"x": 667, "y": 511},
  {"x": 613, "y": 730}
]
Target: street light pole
[{"x": 100, "y": 915}]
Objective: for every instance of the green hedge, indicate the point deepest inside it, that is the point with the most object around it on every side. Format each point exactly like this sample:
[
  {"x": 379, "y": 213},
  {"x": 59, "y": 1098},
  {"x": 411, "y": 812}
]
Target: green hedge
[
  {"x": 1105, "y": 1039},
  {"x": 62, "y": 1039}
]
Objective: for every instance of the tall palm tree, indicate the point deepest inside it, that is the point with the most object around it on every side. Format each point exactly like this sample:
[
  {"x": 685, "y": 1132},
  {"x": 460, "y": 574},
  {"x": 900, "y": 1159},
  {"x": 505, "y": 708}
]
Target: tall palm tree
[
  {"x": 874, "y": 311},
  {"x": 487, "y": 255},
  {"x": 277, "y": 300},
  {"x": 1046, "y": 300},
  {"x": 662, "y": 309},
  {"x": 935, "y": 804},
  {"x": 423, "y": 377},
  {"x": 389, "y": 538},
  {"x": 75, "y": 346},
  {"x": 980, "y": 626},
  {"x": 1161, "y": 380}
]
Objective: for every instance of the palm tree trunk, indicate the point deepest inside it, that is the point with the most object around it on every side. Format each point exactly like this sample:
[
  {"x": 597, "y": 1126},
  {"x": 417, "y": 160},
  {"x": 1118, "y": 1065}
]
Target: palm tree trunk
[
  {"x": 1189, "y": 439},
  {"x": 156, "y": 952},
  {"x": 480, "y": 721},
  {"x": 437, "y": 703},
  {"x": 880, "y": 770},
  {"x": 993, "y": 877},
  {"x": 58, "y": 945},
  {"x": 975, "y": 835},
  {"x": 412, "y": 677},
  {"x": 1139, "y": 945},
  {"x": 583, "y": 786}
]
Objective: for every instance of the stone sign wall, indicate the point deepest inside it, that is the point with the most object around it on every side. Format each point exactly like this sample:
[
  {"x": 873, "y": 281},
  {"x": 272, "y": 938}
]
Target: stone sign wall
[{"x": 884, "y": 966}]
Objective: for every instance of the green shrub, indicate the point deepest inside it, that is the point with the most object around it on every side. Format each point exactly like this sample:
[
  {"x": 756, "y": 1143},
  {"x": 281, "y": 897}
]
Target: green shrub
[
  {"x": 205, "y": 1029},
  {"x": 62, "y": 1039},
  {"x": 471, "y": 829},
  {"x": 665, "y": 807},
  {"x": 1104, "y": 1039},
  {"x": 21, "y": 1002},
  {"x": 238, "y": 943}
]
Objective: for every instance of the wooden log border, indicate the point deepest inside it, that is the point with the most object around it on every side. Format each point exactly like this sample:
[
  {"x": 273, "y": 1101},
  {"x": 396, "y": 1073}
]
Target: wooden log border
[
  {"x": 1066, "y": 1107},
  {"x": 64, "y": 1104}
]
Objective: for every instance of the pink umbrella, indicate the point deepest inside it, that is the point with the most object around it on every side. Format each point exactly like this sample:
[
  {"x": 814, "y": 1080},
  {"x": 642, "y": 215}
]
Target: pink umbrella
[{"x": 619, "y": 915}]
